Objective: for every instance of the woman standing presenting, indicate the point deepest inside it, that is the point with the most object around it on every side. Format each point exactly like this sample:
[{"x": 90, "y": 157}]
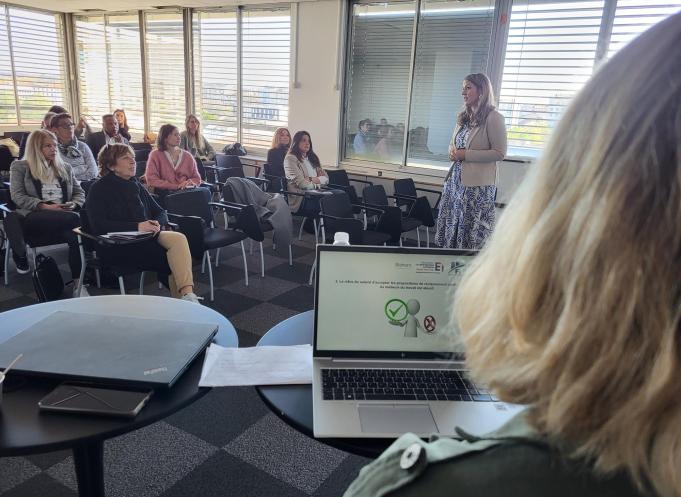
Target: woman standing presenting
[{"x": 466, "y": 217}]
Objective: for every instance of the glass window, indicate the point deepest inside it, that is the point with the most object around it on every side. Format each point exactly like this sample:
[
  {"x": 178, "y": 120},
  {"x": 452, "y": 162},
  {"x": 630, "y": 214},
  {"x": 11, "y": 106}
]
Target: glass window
[
  {"x": 8, "y": 109},
  {"x": 92, "y": 69},
  {"x": 265, "y": 61},
  {"x": 38, "y": 51},
  {"x": 453, "y": 41},
  {"x": 550, "y": 55},
  {"x": 633, "y": 17},
  {"x": 125, "y": 70},
  {"x": 165, "y": 62},
  {"x": 378, "y": 77},
  {"x": 215, "y": 75}
]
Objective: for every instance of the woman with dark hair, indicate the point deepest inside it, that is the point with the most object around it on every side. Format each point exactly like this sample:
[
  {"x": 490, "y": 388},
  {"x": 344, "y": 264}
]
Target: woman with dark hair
[
  {"x": 122, "y": 119},
  {"x": 169, "y": 168},
  {"x": 466, "y": 217},
  {"x": 117, "y": 202},
  {"x": 303, "y": 169}
]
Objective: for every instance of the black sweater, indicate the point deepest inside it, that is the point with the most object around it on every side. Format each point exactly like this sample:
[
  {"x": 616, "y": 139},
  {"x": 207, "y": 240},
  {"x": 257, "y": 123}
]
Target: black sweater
[
  {"x": 116, "y": 204},
  {"x": 275, "y": 157}
]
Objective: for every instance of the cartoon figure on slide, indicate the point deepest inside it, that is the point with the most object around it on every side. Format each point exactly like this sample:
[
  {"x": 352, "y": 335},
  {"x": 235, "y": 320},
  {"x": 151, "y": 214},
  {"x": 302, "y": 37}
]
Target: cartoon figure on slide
[{"x": 403, "y": 314}]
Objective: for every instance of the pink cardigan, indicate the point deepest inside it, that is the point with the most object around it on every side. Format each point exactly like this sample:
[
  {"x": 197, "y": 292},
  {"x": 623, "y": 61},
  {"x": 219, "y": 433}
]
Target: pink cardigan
[{"x": 161, "y": 174}]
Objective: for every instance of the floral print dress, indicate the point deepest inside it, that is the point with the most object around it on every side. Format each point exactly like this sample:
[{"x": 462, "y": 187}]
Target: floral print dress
[{"x": 466, "y": 217}]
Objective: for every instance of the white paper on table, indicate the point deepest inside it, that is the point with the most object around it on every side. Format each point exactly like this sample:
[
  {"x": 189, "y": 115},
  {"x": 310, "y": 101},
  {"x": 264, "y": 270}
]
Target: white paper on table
[{"x": 267, "y": 365}]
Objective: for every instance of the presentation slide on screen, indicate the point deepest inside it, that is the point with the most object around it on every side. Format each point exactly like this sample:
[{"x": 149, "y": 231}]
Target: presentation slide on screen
[{"x": 388, "y": 302}]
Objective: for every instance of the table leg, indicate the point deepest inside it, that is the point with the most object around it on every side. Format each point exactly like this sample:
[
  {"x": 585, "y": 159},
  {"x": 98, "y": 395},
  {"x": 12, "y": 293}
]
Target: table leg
[{"x": 88, "y": 459}]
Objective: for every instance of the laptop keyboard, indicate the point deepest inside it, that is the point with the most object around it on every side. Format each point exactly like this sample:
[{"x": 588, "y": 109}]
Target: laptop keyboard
[{"x": 401, "y": 384}]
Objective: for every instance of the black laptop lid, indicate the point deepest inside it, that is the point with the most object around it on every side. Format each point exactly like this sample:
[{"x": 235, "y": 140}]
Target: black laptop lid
[{"x": 110, "y": 350}]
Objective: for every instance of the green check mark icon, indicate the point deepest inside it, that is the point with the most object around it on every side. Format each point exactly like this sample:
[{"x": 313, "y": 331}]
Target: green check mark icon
[{"x": 395, "y": 310}]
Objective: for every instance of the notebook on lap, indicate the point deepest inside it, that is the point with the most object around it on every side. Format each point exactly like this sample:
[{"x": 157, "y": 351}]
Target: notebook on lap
[{"x": 387, "y": 359}]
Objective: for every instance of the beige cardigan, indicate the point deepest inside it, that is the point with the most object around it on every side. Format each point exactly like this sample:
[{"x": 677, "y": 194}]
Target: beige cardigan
[
  {"x": 486, "y": 146},
  {"x": 298, "y": 180}
]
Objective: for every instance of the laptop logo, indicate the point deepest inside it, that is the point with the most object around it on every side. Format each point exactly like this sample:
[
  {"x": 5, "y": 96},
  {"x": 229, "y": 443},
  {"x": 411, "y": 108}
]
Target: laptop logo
[{"x": 154, "y": 371}]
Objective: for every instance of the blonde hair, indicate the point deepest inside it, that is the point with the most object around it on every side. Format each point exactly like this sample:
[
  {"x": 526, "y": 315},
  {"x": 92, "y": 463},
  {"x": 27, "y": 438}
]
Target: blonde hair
[
  {"x": 197, "y": 140},
  {"x": 486, "y": 102},
  {"x": 574, "y": 307},
  {"x": 40, "y": 168},
  {"x": 109, "y": 155},
  {"x": 277, "y": 133}
]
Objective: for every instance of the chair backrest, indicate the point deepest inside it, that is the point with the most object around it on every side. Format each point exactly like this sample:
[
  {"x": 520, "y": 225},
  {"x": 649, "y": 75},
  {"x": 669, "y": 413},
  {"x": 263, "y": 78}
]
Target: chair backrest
[
  {"x": 228, "y": 193},
  {"x": 405, "y": 186},
  {"x": 6, "y": 158},
  {"x": 248, "y": 222},
  {"x": 227, "y": 161},
  {"x": 231, "y": 172},
  {"x": 85, "y": 185},
  {"x": 47, "y": 280},
  {"x": 200, "y": 168},
  {"x": 140, "y": 168},
  {"x": 277, "y": 176},
  {"x": 375, "y": 195},
  {"x": 191, "y": 202},
  {"x": 336, "y": 205},
  {"x": 142, "y": 151},
  {"x": 338, "y": 177}
]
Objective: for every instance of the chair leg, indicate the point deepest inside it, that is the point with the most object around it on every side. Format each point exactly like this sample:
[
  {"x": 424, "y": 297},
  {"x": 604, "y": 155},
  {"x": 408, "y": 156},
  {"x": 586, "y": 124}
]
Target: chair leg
[
  {"x": 262, "y": 262},
  {"x": 400, "y": 241},
  {"x": 418, "y": 236},
  {"x": 121, "y": 285},
  {"x": 142, "y": 283},
  {"x": 250, "y": 247},
  {"x": 203, "y": 262},
  {"x": 243, "y": 254},
  {"x": 34, "y": 252},
  {"x": 98, "y": 277},
  {"x": 313, "y": 269},
  {"x": 8, "y": 250},
  {"x": 427, "y": 237},
  {"x": 316, "y": 232},
  {"x": 300, "y": 231},
  {"x": 290, "y": 255},
  {"x": 217, "y": 257},
  {"x": 83, "y": 265},
  {"x": 206, "y": 255}
]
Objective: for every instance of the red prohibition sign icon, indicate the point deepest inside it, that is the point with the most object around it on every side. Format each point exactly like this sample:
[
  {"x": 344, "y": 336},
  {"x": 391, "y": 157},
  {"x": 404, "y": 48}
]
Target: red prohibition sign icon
[{"x": 429, "y": 324}]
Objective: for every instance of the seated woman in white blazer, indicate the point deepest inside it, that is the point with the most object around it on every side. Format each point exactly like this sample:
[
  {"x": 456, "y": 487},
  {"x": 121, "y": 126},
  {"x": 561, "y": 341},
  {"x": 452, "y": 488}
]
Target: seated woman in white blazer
[{"x": 303, "y": 169}]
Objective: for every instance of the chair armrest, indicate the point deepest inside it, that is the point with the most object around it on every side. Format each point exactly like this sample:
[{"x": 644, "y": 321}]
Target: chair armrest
[
  {"x": 172, "y": 226},
  {"x": 405, "y": 198},
  {"x": 374, "y": 206},
  {"x": 429, "y": 191},
  {"x": 361, "y": 181},
  {"x": 371, "y": 209},
  {"x": 258, "y": 180},
  {"x": 102, "y": 240},
  {"x": 340, "y": 187},
  {"x": 4, "y": 208},
  {"x": 227, "y": 206}
]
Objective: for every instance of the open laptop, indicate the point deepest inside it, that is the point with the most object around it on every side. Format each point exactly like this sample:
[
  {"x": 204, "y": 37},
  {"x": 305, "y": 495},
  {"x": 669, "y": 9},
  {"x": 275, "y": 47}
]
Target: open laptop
[
  {"x": 387, "y": 358},
  {"x": 119, "y": 351}
]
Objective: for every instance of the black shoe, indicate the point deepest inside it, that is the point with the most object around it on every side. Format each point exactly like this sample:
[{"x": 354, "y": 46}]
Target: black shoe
[{"x": 21, "y": 263}]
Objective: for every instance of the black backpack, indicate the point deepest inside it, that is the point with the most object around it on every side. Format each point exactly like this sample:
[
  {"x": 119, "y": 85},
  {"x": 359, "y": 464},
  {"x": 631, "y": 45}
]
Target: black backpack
[{"x": 47, "y": 280}]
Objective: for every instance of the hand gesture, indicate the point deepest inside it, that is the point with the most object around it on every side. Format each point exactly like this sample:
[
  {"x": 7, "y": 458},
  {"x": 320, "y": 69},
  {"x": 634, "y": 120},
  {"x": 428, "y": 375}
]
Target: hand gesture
[{"x": 150, "y": 226}]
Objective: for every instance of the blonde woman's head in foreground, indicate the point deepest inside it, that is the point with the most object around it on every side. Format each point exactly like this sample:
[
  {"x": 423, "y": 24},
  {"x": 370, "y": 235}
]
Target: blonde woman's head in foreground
[{"x": 574, "y": 307}]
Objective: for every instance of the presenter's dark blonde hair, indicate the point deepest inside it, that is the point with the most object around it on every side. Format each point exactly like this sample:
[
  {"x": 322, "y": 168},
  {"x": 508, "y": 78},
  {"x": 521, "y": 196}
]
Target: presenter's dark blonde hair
[
  {"x": 486, "y": 102},
  {"x": 574, "y": 306}
]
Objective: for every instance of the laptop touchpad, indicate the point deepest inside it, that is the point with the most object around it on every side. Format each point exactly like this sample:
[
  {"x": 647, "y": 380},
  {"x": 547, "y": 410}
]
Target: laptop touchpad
[{"x": 385, "y": 418}]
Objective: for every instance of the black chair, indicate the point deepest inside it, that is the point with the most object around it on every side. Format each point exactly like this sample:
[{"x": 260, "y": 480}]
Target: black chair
[
  {"x": 238, "y": 172},
  {"x": 407, "y": 195},
  {"x": 263, "y": 227},
  {"x": 85, "y": 185},
  {"x": 6, "y": 158},
  {"x": 191, "y": 210},
  {"x": 90, "y": 257},
  {"x": 276, "y": 177},
  {"x": 142, "y": 151},
  {"x": 140, "y": 168},
  {"x": 338, "y": 178},
  {"x": 375, "y": 196}
]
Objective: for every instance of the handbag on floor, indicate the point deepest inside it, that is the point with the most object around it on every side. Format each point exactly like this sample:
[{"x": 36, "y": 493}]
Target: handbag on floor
[{"x": 47, "y": 280}]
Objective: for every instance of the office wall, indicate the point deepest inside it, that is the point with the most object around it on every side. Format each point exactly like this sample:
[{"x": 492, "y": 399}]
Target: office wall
[{"x": 315, "y": 104}]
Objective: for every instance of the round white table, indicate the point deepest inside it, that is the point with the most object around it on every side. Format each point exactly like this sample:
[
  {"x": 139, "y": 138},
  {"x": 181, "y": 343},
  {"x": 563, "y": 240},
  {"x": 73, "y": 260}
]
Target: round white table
[{"x": 24, "y": 429}]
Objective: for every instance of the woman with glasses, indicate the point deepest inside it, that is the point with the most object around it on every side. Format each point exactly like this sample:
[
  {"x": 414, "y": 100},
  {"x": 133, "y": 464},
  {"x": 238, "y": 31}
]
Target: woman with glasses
[
  {"x": 46, "y": 194},
  {"x": 73, "y": 152}
]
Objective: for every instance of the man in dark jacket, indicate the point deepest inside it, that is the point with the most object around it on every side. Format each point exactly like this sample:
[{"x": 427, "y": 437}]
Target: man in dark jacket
[{"x": 108, "y": 135}]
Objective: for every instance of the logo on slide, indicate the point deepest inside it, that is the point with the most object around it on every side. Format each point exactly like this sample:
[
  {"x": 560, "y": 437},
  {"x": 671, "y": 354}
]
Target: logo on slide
[{"x": 429, "y": 324}]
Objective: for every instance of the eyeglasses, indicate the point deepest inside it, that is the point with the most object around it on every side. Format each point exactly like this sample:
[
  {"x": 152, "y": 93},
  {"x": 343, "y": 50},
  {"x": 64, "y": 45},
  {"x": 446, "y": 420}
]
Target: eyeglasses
[{"x": 67, "y": 126}]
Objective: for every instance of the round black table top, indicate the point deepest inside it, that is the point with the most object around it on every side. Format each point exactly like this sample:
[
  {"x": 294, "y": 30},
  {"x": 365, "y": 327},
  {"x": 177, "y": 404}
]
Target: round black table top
[
  {"x": 293, "y": 403},
  {"x": 24, "y": 429}
]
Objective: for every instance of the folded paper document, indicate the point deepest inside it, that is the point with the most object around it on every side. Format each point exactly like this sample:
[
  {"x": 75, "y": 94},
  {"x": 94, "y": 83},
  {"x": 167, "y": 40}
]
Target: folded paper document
[
  {"x": 225, "y": 367},
  {"x": 128, "y": 235}
]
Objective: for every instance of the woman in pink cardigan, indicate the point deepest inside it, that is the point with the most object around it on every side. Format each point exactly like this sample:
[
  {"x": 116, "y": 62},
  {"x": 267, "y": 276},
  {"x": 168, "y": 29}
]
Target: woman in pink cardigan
[{"x": 169, "y": 167}]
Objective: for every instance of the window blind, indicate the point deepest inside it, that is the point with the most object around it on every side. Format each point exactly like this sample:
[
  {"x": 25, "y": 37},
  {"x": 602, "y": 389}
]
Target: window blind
[
  {"x": 125, "y": 70},
  {"x": 550, "y": 54},
  {"x": 92, "y": 69},
  {"x": 37, "y": 46},
  {"x": 215, "y": 75},
  {"x": 378, "y": 68},
  {"x": 453, "y": 41},
  {"x": 8, "y": 109},
  {"x": 265, "y": 65},
  {"x": 165, "y": 55},
  {"x": 633, "y": 17}
]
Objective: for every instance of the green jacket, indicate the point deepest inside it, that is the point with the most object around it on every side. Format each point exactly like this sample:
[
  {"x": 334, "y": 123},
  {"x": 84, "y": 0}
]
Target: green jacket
[{"x": 512, "y": 461}]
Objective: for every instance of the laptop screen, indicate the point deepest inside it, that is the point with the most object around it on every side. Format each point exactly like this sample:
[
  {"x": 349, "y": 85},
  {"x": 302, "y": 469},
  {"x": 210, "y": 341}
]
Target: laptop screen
[{"x": 393, "y": 302}]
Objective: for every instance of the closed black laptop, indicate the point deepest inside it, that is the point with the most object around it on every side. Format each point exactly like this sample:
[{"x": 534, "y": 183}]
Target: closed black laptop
[{"x": 108, "y": 350}]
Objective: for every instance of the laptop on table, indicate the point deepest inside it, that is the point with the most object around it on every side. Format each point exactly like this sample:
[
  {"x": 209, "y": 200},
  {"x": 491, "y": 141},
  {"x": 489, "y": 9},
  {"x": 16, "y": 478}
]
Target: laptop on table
[{"x": 387, "y": 359}]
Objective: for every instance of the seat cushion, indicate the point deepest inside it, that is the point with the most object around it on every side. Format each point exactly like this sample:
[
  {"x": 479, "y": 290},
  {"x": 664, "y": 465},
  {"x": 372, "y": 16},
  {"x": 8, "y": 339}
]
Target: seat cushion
[{"x": 217, "y": 237}]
